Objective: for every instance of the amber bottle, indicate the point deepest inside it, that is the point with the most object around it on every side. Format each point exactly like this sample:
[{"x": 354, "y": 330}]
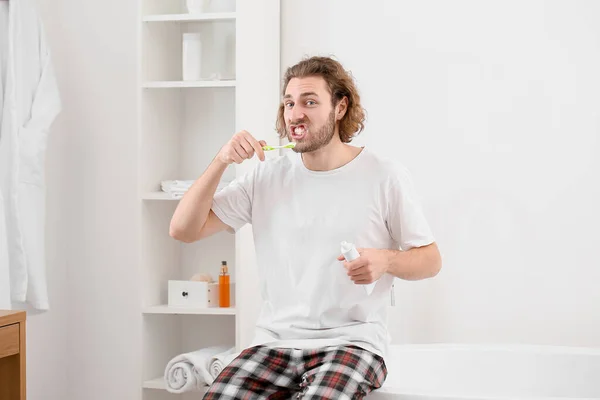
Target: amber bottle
[{"x": 224, "y": 292}]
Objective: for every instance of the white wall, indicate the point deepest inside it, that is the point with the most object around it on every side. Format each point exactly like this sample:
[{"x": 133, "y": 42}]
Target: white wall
[
  {"x": 47, "y": 339},
  {"x": 87, "y": 345},
  {"x": 494, "y": 107}
]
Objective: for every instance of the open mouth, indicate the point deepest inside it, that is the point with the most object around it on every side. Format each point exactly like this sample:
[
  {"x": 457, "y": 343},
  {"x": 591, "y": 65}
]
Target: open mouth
[{"x": 298, "y": 131}]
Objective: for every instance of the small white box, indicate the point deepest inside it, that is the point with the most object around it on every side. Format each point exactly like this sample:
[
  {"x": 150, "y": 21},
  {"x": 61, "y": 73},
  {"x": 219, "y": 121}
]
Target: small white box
[
  {"x": 188, "y": 294},
  {"x": 213, "y": 294}
]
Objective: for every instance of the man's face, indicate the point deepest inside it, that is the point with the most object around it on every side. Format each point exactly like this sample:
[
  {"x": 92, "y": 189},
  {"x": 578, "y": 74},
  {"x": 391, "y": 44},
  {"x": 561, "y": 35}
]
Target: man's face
[{"x": 308, "y": 113}]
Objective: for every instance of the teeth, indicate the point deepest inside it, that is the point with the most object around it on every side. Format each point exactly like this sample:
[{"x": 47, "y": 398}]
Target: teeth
[{"x": 299, "y": 130}]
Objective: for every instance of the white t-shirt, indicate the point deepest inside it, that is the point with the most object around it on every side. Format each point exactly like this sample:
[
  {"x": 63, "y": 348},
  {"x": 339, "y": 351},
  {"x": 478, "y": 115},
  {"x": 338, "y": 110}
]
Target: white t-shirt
[
  {"x": 299, "y": 218},
  {"x": 3, "y": 51}
]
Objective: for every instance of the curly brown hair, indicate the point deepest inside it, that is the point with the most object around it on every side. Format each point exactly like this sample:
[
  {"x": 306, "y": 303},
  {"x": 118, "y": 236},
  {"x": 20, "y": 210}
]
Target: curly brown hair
[{"x": 340, "y": 83}]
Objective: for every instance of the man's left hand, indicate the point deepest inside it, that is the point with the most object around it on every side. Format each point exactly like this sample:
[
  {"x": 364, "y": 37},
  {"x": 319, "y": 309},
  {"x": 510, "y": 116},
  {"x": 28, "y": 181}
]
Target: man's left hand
[{"x": 369, "y": 267}]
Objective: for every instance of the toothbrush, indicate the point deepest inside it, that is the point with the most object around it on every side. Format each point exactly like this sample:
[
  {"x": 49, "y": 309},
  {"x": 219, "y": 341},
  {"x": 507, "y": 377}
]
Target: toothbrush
[{"x": 287, "y": 146}]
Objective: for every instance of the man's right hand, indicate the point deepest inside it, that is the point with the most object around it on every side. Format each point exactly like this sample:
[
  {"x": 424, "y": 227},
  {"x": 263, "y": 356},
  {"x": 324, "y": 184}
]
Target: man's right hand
[{"x": 240, "y": 147}]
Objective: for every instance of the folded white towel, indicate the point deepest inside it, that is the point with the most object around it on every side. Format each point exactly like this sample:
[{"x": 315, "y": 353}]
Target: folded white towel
[
  {"x": 192, "y": 371},
  {"x": 177, "y": 188},
  {"x": 175, "y": 185}
]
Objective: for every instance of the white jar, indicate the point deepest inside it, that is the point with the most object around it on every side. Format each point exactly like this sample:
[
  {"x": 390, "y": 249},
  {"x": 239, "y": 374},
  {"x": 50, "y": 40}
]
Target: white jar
[
  {"x": 192, "y": 56},
  {"x": 195, "y": 6}
]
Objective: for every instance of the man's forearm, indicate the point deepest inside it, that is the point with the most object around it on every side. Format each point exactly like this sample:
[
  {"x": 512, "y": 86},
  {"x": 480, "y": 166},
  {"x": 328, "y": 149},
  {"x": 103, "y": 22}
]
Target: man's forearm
[
  {"x": 416, "y": 263},
  {"x": 192, "y": 210}
]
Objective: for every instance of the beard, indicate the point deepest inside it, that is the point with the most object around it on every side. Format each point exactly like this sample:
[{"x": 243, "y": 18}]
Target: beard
[{"x": 315, "y": 139}]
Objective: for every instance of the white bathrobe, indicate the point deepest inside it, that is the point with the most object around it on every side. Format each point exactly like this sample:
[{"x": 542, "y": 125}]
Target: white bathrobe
[{"x": 30, "y": 104}]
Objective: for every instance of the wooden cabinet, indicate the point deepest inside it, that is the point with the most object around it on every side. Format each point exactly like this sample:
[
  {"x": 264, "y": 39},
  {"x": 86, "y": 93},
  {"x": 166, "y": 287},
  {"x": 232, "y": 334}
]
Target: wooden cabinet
[{"x": 12, "y": 355}]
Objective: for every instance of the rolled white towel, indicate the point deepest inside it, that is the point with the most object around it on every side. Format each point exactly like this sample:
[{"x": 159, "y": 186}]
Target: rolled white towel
[
  {"x": 220, "y": 361},
  {"x": 183, "y": 377},
  {"x": 190, "y": 371}
]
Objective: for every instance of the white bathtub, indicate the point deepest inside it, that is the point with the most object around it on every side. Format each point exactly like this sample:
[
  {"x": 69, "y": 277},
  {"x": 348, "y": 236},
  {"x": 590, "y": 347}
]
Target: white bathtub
[{"x": 452, "y": 372}]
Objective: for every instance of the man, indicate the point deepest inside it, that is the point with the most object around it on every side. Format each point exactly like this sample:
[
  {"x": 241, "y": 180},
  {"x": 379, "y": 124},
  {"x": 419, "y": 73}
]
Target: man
[{"x": 320, "y": 333}]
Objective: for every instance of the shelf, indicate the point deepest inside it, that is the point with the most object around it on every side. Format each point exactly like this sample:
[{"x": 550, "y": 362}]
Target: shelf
[
  {"x": 189, "y": 17},
  {"x": 164, "y": 309},
  {"x": 159, "y": 196},
  {"x": 158, "y": 383},
  {"x": 189, "y": 84}
]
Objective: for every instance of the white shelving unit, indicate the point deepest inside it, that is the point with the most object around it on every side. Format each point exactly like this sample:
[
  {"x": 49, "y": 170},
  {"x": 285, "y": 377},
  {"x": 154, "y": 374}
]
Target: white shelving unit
[
  {"x": 188, "y": 84},
  {"x": 182, "y": 125},
  {"x": 158, "y": 196},
  {"x": 158, "y": 383},
  {"x": 165, "y": 309},
  {"x": 189, "y": 17}
]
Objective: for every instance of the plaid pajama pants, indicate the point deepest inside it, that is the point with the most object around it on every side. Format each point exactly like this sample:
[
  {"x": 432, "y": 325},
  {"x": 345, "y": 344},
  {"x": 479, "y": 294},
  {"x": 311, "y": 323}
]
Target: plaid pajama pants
[{"x": 260, "y": 372}]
